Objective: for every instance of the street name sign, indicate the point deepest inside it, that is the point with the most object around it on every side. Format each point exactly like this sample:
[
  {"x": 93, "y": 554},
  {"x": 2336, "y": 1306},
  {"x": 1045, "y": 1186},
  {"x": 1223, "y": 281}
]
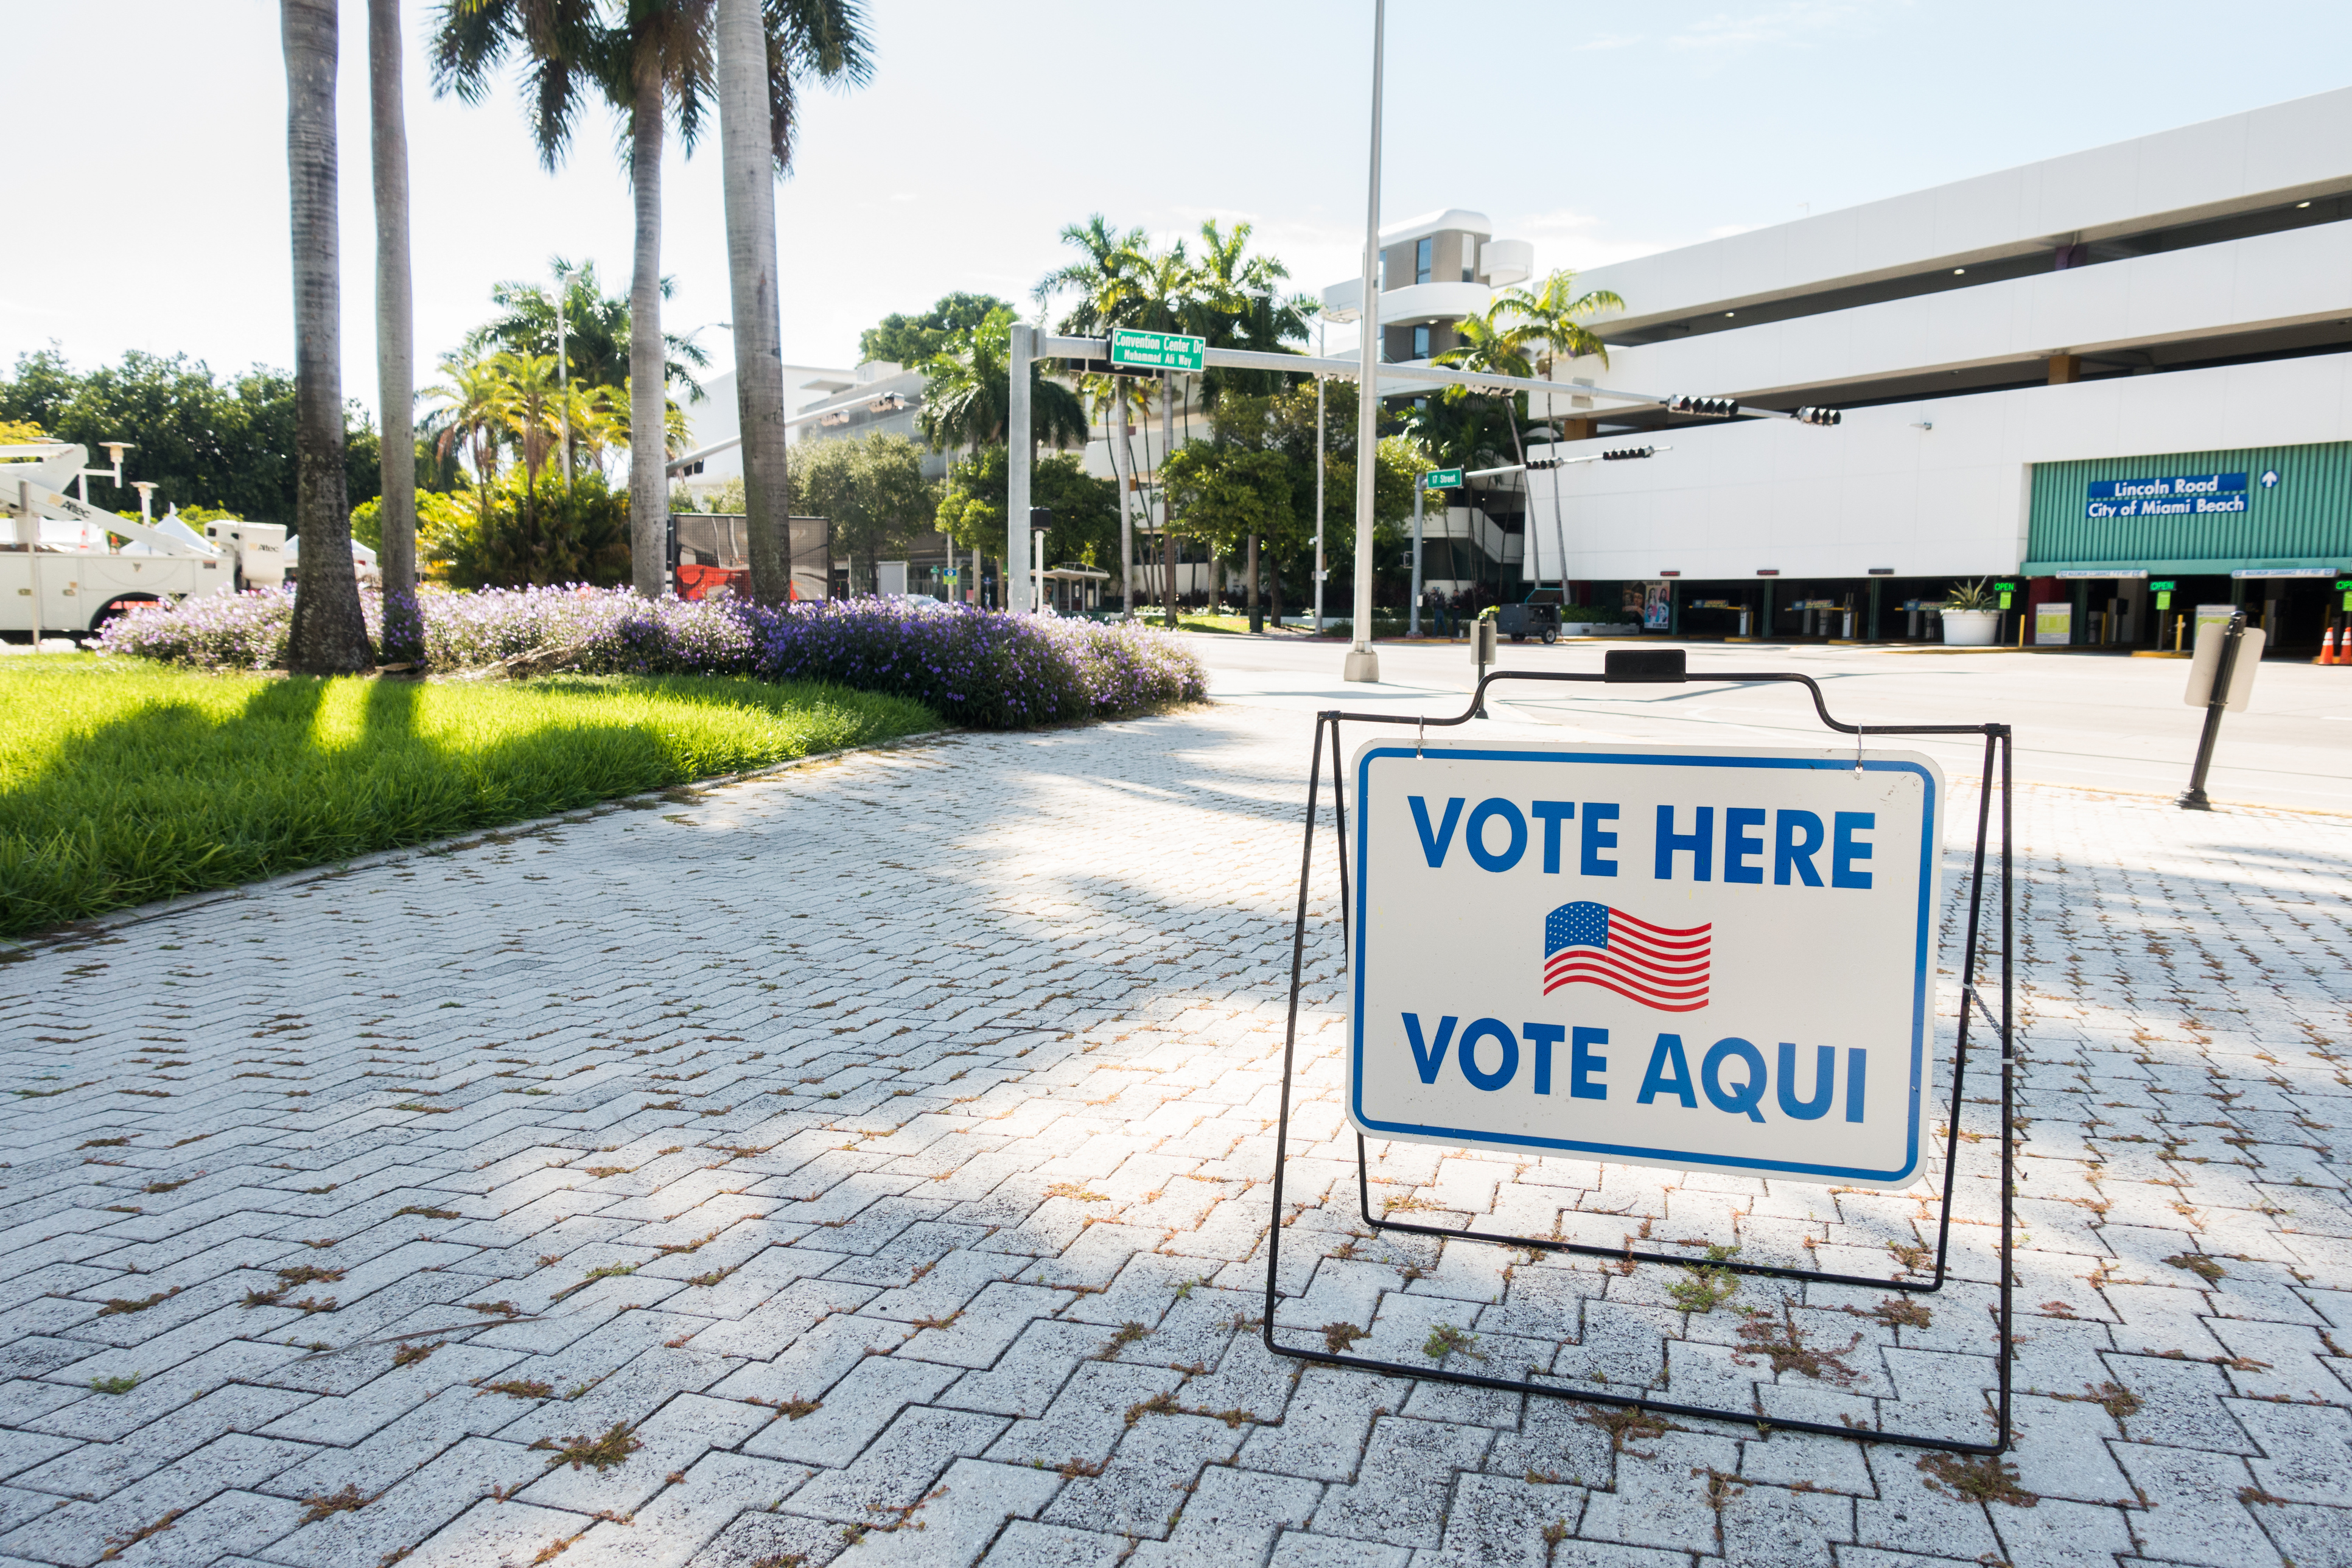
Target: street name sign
[
  {"x": 1157, "y": 350},
  {"x": 1700, "y": 959},
  {"x": 1442, "y": 480}
]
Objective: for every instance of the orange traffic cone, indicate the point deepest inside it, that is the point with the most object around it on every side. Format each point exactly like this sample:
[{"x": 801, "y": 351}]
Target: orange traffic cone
[{"x": 2327, "y": 646}]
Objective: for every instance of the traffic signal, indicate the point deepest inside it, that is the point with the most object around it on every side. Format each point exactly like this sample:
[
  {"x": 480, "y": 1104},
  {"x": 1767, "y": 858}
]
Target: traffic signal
[
  {"x": 1703, "y": 407},
  {"x": 1818, "y": 417},
  {"x": 1625, "y": 454}
]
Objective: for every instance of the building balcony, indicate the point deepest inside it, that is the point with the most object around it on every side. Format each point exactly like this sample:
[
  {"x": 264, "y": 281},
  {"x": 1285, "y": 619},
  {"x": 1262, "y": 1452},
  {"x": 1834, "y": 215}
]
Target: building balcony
[{"x": 1411, "y": 305}]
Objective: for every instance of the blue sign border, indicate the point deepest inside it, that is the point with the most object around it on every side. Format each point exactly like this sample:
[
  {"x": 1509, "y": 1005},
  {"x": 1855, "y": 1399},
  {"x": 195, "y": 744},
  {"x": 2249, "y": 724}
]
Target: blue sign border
[{"x": 1929, "y": 817}]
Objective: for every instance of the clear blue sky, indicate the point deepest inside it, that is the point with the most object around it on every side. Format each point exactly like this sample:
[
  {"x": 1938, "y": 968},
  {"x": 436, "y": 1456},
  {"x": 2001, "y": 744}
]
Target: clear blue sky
[{"x": 148, "y": 145}]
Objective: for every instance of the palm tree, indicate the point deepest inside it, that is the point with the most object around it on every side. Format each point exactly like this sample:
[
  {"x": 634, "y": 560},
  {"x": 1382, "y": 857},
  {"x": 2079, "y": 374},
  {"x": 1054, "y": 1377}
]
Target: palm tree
[
  {"x": 653, "y": 57},
  {"x": 1552, "y": 318},
  {"x": 1098, "y": 280},
  {"x": 764, "y": 51},
  {"x": 595, "y": 326},
  {"x": 328, "y": 635},
  {"x": 1155, "y": 291},
  {"x": 1107, "y": 255},
  {"x": 1236, "y": 302},
  {"x": 1488, "y": 345},
  {"x": 396, "y": 334},
  {"x": 968, "y": 394},
  {"x": 467, "y": 420},
  {"x": 1553, "y": 325}
]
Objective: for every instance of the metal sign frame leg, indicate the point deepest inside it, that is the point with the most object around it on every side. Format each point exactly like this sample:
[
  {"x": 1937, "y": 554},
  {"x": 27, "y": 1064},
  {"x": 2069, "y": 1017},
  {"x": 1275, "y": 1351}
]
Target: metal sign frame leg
[{"x": 1997, "y": 744}]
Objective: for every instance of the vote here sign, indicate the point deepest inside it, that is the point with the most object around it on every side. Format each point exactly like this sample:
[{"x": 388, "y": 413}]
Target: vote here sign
[{"x": 1699, "y": 959}]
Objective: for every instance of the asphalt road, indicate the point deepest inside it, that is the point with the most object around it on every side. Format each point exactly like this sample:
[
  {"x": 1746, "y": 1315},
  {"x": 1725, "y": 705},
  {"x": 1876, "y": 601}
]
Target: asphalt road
[{"x": 2094, "y": 719}]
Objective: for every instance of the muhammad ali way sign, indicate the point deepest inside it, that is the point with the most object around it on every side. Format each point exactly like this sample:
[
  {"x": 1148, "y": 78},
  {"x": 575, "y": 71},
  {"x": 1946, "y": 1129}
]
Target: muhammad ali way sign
[{"x": 1712, "y": 959}]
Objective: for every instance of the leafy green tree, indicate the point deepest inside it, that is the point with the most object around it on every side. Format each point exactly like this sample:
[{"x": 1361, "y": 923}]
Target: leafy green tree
[
  {"x": 1224, "y": 494},
  {"x": 525, "y": 533},
  {"x": 204, "y": 440},
  {"x": 873, "y": 491},
  {"x": 435, "y": 513},
  {"x": 1085, "y": 508},
  {"x": 913, "y": 340}
]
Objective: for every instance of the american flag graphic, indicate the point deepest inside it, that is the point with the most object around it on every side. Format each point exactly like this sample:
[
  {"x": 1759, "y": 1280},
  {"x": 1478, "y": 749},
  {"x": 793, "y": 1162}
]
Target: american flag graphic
[{"x": 1597, "y": 946}]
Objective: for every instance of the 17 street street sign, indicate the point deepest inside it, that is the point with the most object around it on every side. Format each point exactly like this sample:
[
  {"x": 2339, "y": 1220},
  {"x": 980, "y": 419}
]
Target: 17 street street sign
[
  {"x": 1713, "y": 959},
  {"x": 1442, "y": 480},
  {"x": 1157, "y": 350}
]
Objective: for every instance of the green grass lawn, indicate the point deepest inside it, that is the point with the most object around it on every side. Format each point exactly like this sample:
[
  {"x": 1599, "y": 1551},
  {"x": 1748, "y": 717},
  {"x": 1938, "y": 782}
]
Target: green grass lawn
[{"x": 122, "y": 782}]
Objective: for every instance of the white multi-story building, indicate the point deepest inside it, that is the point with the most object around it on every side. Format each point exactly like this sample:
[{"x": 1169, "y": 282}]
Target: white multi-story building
[
  {"x": 2103, "y": 377},
  {"x": 877, "y": 397},
  {"x": 1435, "y": 269}
]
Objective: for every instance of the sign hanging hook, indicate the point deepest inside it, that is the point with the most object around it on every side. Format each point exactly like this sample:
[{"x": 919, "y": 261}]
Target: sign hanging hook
[{"x": 1419, "y": 733}]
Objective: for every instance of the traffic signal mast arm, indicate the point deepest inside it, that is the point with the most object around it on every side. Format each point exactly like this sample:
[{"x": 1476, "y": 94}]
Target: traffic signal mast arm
[
  {"x": 1616, "y": 455},
  {"x": 1098, "y": 349}
]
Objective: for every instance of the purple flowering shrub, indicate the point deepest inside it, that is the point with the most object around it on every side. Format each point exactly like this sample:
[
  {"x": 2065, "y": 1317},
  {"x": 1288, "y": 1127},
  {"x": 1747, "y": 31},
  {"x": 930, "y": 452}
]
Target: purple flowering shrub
[
  {"x": 979, "y": 669},
  {"x": 217, "y": 631}
]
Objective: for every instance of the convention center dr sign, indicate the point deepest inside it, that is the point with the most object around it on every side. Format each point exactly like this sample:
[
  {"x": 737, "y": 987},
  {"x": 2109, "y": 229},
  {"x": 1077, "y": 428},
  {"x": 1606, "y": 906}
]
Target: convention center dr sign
[{"x": 1702, "y": 959}]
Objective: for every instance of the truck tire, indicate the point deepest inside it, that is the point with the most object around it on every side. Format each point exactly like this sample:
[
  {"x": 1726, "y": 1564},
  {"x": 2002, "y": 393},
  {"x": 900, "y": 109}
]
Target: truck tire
[
  {"x": 1551, "y": 636},
  {"x": 115, "y": 606}
]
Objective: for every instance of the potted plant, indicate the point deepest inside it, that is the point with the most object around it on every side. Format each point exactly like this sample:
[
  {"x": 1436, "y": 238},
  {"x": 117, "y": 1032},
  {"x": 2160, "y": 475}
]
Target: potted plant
[{"x": 1971, "y": 615}]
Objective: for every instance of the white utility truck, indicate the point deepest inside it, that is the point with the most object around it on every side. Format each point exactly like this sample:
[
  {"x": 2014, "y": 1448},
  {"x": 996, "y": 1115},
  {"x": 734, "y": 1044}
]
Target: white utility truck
[{"x": 66, "y": 567}]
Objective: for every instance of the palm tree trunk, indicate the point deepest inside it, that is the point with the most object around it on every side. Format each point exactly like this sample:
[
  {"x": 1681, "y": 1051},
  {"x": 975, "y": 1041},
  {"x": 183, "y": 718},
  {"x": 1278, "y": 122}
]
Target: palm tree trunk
[
  {"x": 395, "y": 335},
  {"x": 329, "y": 636},
  {"x": 648, "y": 398},
  {"x": 747, "y": 154}
]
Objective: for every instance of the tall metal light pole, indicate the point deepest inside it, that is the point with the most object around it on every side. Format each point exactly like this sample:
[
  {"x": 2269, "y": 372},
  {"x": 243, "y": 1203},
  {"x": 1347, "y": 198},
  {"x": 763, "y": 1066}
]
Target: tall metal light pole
[
  {"x": 1319, "y": 572},
  {"x": 1363, "y": 663},
  {"x": 563, "y": 371},
  {"x": 1024, "y": 349}
]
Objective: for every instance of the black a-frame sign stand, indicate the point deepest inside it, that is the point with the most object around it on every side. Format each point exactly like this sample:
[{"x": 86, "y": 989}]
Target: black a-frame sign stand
[{"x": 1658, "y": 665}]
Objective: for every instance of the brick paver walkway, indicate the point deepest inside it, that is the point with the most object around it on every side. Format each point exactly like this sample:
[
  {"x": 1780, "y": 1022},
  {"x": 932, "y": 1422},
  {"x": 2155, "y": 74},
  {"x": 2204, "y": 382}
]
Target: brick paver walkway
[{"x": 868, "y": 1163}]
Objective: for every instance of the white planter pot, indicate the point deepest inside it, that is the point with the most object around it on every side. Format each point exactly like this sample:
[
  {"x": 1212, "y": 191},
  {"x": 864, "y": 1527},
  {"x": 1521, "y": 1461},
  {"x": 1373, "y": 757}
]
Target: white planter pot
[{"x": 1971, "y": 628}]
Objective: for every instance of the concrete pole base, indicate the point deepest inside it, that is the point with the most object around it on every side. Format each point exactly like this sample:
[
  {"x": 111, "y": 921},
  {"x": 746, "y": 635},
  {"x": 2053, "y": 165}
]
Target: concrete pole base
[{"x": 1363, "y": 664}]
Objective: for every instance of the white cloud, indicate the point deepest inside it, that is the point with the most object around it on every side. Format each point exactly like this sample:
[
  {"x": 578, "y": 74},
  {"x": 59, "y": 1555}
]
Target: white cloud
[
  {"x": 1566, "y": 237},
  {"x": 1775, "y": 25}
]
